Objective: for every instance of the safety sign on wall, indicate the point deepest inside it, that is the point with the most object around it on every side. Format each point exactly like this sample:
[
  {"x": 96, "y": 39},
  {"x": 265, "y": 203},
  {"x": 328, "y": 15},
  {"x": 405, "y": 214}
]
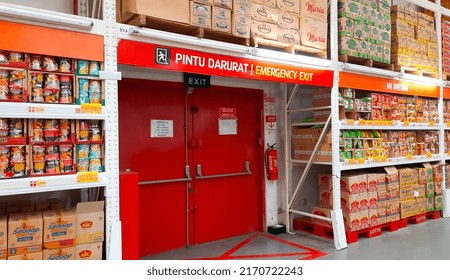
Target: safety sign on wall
[
  {"x": 227, "y": 121},
  {"x": 161, "y": 128},
  {"x": 271, "y": 122}
]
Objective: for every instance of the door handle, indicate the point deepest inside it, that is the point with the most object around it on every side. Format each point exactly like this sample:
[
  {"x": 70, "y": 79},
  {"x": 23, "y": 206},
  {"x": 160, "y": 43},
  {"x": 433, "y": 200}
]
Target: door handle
[
  {"x": 200, "y": 175},
  {"x": 186, "y": 179}
]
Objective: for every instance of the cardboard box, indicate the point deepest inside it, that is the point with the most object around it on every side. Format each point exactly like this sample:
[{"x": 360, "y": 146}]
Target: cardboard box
[
  {"x": 172, "y": 10},
  {"x": 391, "y": 176},
  {"x": 67, "y": 253},
  {"x": 364, "y": 219},
  {"x": 351, "y": 202},
  {"x": 289, "y": 36},
  {"x": 264, "y": 30},
  {"x": 363, "y": 201},
  {"x": 350, "y": 9},
  {"x": 90, "y": 222},
  {"x": 89, "y": 251},
  {"x": 392, "y": 218},
  {"x": 354, "y": 183},
  {"x": 373, "y": 217},
  {"x": 3, "y": 236},
  {"x": 292, "y": 6},
  {"x": 372, "y": 182},
  {"x": 326, "y": 181},
  {"x": 200, "y": 15},
  {"x": 438, "y": 187},
  {"x": 313, "y": 33},
  {"x": 288, "y": 20},
  {"x": 392, "y": 192},
  {"x": 372, "y": 198},
  {"x": 425, "y": 173},
  {"x": 59, "y": 228},
  {"x": 406, "y": 194},
  {"x": 42, "y": 205},
  {"x": 12, "y": 208},
  {"x": 24, "y": 233},
  {"x": 240, "y": 25},
  {"x": 242, "y": 7},
  {"x": 407, "y": 209},
  {"x": 264, "y": 14},
  {"x": 438, "y": 202},
  {"x": 26, "y": 257},
  {"x": 315, "y": 9},
  {"x": 321, "y": 97},
  {"x": 321, "y": 211},
  {"x": 352, "y": 220},
  {"x": 438, "y": 172},
  {"x": 381, "y": 211},
  {"x": 268, "y": 3},
  {"x": 226, "y": 4},
  {"x": 325, "y": 196},
  {"x": 204, "y": 2},
  {"x": 221, "y": 20}
]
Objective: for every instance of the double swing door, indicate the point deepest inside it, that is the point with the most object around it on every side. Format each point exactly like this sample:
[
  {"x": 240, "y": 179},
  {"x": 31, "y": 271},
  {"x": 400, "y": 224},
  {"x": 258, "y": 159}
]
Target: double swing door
[{"x": 199, "y": 156}]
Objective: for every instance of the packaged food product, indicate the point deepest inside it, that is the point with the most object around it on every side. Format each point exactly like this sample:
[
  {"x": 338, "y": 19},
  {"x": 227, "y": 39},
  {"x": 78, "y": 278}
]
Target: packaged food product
[
  {"x": 83, "y": 97},
  {"x": 18, "y": 169},
  {"x": 94, "y": 68},
  {"x": 95, "y": 97},
  {"x": 37, "y": 95},
  {"x": 4, "y": 127},
  {"x": 16, "y": 128},
  {"x": 38, "y": 153},
  {"x": 83, "y": 151},
  {"x": 52, "y": 167},
  {"x": 4, "y": 154},
  {"x": 36, "y": 62},
  {"x": 38, "y": 131},
  {"x": 83, "y": 130},
  {"x": 82, "y": 67},
  {"x": 65, "y": 152},
  {"x": 94, "y": 86},
  {"x": 37, "y": 80},
  {"x": 49, "y": 63},
  {"x": 95, "y": 133},
  {"x": 83, "y": 165},
  {"x": 65, "y": 65},
  {"x": 95, "y": 151},
  {"x": 4, "y": 170},
  {"x": 83, "y": 84},
  {"x": 51, "y": 88},
  {"x": 66, "y": 165},
  {"x": 17, "y": 153},
  {"x": 51, "y": 153},
  {"x": 64, "y": 130},
  {"x": 65, "y": 95},
  {"x": 4, "y": 57},
  {"x": 16, "y": 57},
  {"x": 95, "y": 164}
]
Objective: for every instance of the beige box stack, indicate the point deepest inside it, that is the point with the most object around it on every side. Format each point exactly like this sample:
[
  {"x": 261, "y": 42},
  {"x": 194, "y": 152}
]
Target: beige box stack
[
  {"x": 25, "y": 235},
  {"x": 221, "y": 16},
  {"x": 365, "y": 29},
  {"x": 89, "y": 230},
  {"x": 201, "y": 13},
  {"x": 445, "y": 27},
  {"x": 314, "y": 23},
  {"x": 169, "y": 10},
  {"x": 414, "y": 39},
  {"x": 304, "y": 141},
  {"x": 3, "y": 237},
  {"x": 241, "y": 18},
  {"x": 59, "y": 234}
]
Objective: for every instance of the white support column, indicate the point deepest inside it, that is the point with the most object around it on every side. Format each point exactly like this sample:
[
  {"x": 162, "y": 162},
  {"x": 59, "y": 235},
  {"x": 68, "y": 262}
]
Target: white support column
[
  {"x": 340, "y": 240},
  {"x": 113, "y": 225}
]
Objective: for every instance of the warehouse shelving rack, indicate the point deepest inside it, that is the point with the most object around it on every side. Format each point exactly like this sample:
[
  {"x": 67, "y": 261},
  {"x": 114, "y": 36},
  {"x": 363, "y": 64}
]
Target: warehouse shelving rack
[{"x": 111, "y": 31}]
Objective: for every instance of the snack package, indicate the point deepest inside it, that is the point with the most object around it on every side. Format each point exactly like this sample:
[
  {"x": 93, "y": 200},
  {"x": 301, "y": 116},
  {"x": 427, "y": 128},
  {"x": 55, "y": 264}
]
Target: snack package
[
  {"x": 94, "y": 68},
  {"x": 95, "y": 151},
  {"x": 95, "y": 164},
  {"x": 65, "y": 65},
  {"x": 49, "y": 64},
  {"x": 83, "y": 151},
  {"x": 36, "y": 62},
  {"x": 83, "y": 67},
  {"x": 4, "y": 57},
  {"x": 16, "y": 57},
  {"x": 51, "y": 153}
]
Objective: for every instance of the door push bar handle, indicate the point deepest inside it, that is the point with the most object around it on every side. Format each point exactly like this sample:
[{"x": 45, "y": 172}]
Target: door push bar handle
[
  {"x": 186, "y": 179},
  {"x": 246, "y": 172}
]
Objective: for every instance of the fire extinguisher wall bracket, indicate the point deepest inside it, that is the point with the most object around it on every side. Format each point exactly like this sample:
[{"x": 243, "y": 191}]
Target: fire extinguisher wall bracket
[{"x": 271, "y": 160}]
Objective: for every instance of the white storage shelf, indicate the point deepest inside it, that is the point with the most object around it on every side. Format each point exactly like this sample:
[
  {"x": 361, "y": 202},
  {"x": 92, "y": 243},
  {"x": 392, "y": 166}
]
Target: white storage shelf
[
  {"x": 47, "y": 184},
  {"x": 46, "y": 111}
]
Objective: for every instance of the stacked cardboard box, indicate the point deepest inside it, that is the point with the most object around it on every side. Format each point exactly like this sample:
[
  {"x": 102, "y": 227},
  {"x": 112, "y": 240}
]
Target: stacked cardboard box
[
  {"x": 59, "y": 234},
  {"x": 241, "y": 18},
  {"x": 438, "y": 181},
  {"x": 445, "y": 46},
  {"x": 365, "y": 29},
  {"x": 3, "y": 236},
  {"x": 25, "y": 236},
  {"x": 304, "y": 141},
  {"x": 296, "y": 22},
  {"x": 414, "y": 39},
  {"x": 89, "y": 230}
]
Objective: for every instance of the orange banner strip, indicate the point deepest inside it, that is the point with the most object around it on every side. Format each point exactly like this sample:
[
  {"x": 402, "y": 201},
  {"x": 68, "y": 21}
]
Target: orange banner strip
[
  {"x": 48, "y": 41},
  {"x": 446, "y": 93},
  {"x": 357, "y": 81}
]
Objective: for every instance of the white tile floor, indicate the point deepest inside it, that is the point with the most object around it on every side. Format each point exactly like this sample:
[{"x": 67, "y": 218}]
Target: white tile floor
[{"x": 426, "y": 241}]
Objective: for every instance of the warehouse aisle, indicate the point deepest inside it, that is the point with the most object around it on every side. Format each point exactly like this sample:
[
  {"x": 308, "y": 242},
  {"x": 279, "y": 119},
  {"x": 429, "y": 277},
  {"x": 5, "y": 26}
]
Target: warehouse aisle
[{"x": 427, "y": 241}]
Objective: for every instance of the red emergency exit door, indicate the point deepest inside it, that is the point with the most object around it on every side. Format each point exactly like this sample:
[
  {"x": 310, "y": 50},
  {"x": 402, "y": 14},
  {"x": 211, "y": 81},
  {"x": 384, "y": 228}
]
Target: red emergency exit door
[{"x": 200, "y": 160}]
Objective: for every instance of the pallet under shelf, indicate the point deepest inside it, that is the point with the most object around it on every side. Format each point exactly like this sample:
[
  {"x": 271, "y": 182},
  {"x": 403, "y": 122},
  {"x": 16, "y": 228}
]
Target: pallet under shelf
[{"x": 365, "y": 62}]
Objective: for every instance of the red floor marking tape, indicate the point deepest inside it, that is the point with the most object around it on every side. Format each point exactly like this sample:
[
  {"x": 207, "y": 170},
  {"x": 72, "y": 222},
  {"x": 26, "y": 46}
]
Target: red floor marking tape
[
  {"x": 319, "y": 253},
  {"x": 237, "y": 247}
]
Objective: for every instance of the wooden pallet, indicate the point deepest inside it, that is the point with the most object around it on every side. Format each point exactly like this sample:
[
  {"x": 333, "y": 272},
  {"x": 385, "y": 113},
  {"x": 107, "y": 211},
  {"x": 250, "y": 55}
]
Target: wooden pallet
[
  {"x": 420, "y": 218},
  {"x": 289, "y": 48},
  {"x": 415, "y": 71},
  {"x": 185, "y": 29},
  {"x": 305, "y": 224},
  {"x": 366, "y": 62}
]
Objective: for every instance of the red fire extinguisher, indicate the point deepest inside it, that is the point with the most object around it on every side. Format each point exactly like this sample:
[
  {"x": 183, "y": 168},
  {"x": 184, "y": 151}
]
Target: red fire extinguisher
[{"x": 271, "y": 158}]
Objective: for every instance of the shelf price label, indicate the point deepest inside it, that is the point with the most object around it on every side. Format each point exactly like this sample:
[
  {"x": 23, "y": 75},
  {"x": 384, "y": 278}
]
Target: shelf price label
[
  {"x": 87, "y": 177},
  {"x": 36, "y": 109},
  {"x": 406, "y": 123},
  {"x": 351, "y": 161},
  {"x": 91, "y": 108},
  {"x": 447, "y": 124},
  {"x": 431, "y": 123},
  {"x": 409, "y": 157},
  {"x": 429, "y": 155},
  {"x": 361, "y": 161},
  {"x": 38, "y": 184}
]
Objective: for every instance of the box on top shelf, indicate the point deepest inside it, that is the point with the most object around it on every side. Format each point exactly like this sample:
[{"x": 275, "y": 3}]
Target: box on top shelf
[
  {"x": 288, "y": 20},
  {"x": 240, "y": 25},
  {"x": 313, "y": 33},
  {"x": 315, "y": 9},
  {"x": 242, "y": 7},
  {"x": 221, "y": 20},
  {"x": 268, "y": 3},
  {"x": 264, "y": 14},
  {"x": 200, "y": 15},
  {"x": 264, "y": 30},
  {"x": 289, "y": 5},
  {"x": 226, "y": 4},
  {"x": 288, "y": 36},
  {"x": 171, "y": 10},
  {"x": 204, "y": 2}
]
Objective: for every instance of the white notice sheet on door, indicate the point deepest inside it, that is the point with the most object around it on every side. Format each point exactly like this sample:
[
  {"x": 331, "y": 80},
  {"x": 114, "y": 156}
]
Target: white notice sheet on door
[
  {"x": 161, "y": 129},
  {"x": 227, "y": 126}
]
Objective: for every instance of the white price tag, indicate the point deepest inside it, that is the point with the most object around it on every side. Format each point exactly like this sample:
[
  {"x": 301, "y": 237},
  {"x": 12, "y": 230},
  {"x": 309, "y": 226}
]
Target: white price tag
[{"x": 124, "y": 30}]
